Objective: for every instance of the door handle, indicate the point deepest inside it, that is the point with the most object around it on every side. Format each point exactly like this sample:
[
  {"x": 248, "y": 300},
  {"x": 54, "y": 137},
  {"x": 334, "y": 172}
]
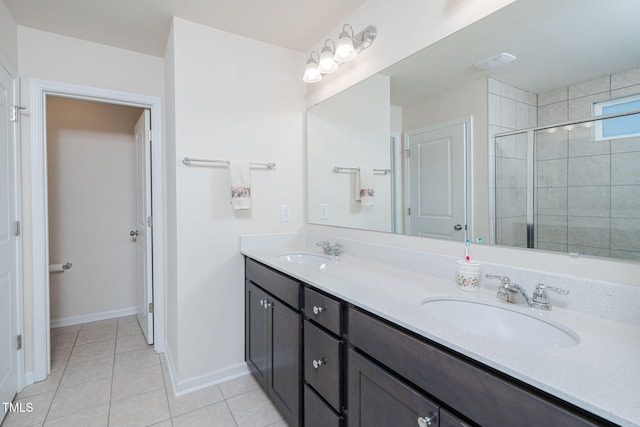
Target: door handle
[
  {"x": 134, "y": 233},
  {"x": 457, "y": 227}
]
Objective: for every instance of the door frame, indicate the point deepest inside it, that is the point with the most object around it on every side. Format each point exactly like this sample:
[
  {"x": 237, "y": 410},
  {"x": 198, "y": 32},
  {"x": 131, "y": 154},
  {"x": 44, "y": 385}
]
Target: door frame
[
  {"x": 39, "y": 90},
  {"x": 17, "y": 169},
  {"x": 468, "y": 170}
]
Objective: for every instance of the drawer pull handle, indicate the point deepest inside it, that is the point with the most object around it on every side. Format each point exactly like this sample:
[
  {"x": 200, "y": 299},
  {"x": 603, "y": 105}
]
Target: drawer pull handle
[
  {"x": 317, "y": 310},
  {"x": 427, "y": 421},
  {"x": 319, "y": 362}
]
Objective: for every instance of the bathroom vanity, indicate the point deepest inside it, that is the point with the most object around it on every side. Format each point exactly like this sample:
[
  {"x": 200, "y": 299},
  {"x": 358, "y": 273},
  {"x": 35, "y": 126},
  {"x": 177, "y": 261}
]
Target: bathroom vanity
[{"x": 346, "y": 343}]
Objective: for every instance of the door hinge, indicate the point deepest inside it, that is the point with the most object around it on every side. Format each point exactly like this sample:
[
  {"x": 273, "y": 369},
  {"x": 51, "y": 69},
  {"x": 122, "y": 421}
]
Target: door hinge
[
  {"x": 149, "y": 221},
  {"x": 407, "y": 152},
  {"x": 19, "y": 342},
  {"x": 18, "y": 228},
  {"x": 15, "y": 112},
  {"x": 408, "y": 211},
  {"x": 150, "y": 307}
]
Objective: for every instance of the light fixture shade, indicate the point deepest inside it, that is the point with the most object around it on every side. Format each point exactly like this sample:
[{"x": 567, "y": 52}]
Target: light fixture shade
[
  {"x": 327, "y": 64},
  {"x": 311, "y": 73},
  {"x": 344, "y": 48}
]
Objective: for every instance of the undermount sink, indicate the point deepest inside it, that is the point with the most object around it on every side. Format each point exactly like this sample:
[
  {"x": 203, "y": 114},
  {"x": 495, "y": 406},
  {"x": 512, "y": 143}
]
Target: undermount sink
[
  {"x": 319, "y": 261},
  {"x": 500, "y": 323}
]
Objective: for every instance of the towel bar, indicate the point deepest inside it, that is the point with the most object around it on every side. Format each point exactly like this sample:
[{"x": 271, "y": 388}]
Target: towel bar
[
  {"x": 342, "y": 169},
  {"x": 187, "y": 161}
]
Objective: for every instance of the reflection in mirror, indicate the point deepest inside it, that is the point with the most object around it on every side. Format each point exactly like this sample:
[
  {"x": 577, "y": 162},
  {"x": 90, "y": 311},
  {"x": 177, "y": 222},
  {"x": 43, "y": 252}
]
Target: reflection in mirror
[{"x": 432, "y": 119}]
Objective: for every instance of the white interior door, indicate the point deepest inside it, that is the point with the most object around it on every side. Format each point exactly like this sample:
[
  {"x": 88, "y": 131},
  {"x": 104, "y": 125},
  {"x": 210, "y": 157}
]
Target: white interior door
[
  {"x": 437, "y": 193},
  {"x": 8, "y": 244},
  {"x": 142, "y": 235}
]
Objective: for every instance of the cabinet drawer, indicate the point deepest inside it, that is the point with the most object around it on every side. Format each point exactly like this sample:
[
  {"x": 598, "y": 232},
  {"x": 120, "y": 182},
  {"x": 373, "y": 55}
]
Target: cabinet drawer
[
  {"x": 323, "y": 363},
  {"x": 379, "y": 399},
  {"x": 323, "y": 310},
  {"x": 317, "y": 413},
  {"x": 449, "y": 420},
  {"x": 466, "y": 387},
  {"x": 279, "y": 285}
]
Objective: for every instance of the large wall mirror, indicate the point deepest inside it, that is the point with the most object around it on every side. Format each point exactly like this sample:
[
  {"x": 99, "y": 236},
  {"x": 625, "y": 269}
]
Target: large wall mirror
[{"x": 462, "y": 141}]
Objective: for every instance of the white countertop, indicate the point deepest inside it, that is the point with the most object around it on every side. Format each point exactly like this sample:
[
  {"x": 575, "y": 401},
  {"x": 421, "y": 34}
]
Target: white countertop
[{"x": 601, "y": 374}]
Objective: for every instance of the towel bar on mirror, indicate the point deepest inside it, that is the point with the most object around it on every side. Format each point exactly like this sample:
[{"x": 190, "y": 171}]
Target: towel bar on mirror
[
  {"x": 345, "y": 169},
  {"x": 188, "y": 160}
]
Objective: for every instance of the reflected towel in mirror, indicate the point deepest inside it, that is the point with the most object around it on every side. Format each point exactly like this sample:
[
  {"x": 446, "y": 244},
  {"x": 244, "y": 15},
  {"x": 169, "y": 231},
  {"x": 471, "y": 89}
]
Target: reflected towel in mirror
[{"x": 365, "y": 190}]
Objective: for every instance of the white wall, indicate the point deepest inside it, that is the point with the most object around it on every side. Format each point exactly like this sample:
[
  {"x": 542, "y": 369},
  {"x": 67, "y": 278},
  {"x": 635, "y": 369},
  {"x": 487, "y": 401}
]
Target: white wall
[
  {"x": 91, "y": 167},
  {"x": 469, "y": 99},
  {"x": 8, "y": 39},
  {"x": 404, "y": 27},
  {"x": 49, "y": 56},
  {"x": 350, "y": 129},
  {"x": 234, "y": 98}
]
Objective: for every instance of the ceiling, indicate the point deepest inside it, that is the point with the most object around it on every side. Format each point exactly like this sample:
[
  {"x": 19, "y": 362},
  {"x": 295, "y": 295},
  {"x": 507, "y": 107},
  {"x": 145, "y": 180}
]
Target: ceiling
[
  {"x": 556, "y": 44},
  {"x": 143, "y": 25}
]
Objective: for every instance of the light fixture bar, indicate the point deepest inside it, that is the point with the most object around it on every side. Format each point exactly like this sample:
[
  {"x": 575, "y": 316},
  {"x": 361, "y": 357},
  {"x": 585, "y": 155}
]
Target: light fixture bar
[
  {"x": 364, "y": 38},
  {"x": 331, "y": 57}
]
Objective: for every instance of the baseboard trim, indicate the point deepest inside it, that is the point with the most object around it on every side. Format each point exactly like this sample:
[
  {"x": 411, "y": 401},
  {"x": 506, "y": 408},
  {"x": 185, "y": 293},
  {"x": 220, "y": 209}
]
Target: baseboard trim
[
  {"x": 74, "y": 320},
  {"x": 192, "y": 384}
]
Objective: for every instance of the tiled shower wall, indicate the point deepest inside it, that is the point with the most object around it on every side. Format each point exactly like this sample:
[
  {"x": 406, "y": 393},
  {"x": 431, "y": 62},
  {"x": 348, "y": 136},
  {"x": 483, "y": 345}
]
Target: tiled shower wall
[
  {"x": 587, "y": 197},
  {"x": 510, "y": 108}
]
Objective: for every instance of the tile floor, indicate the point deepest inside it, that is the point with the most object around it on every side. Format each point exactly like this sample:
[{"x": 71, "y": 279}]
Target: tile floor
[{"x": 104, "y": 374}]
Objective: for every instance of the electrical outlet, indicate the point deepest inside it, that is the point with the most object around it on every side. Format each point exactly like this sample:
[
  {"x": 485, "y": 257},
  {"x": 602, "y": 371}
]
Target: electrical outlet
[
  {"x": 285, "y": 213},
  {"x": 324, "y": 211}
]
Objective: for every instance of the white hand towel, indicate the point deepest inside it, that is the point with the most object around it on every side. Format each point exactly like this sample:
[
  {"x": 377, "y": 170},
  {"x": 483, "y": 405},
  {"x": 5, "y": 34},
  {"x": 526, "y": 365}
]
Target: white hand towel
[
  {"x": 240, "y": 177},
  {"x": 365, "y": 190}
]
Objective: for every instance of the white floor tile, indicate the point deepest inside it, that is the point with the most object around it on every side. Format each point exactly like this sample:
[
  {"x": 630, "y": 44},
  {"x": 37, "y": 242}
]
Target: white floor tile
[
  {"x": 142, "y": 410},
  {"x": 214, "y": 415},
  {"x": 104, "y": 373}
]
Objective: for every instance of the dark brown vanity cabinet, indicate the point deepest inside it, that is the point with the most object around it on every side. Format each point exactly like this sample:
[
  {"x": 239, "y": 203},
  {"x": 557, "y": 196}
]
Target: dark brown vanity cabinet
[
  {"x": 273, "y": 336},
  {"x": 396, "y": 373},
  {"x": 326, "y": 363},
  {"x": 323, "y": 360}
]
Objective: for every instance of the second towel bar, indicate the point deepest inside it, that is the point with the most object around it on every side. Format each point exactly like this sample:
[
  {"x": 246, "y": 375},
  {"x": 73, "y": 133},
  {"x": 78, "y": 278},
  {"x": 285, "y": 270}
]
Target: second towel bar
[{"x": 343, "y": 169}]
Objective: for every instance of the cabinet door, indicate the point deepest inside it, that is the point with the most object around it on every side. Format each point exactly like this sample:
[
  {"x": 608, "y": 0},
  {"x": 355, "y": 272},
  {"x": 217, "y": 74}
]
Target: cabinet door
[
  {"x": 284, "y": 384},
  {"x": 379, "y": 399},
  {"x": 257, "y": 332}
]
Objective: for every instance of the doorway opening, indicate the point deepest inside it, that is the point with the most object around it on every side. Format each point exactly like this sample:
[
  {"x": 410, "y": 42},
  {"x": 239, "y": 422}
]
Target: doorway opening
[{"x": 43, "y": 92}]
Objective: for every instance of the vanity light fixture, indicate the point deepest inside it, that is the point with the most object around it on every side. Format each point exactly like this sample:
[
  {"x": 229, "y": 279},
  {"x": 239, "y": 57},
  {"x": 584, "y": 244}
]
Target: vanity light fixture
[
  {"x": 327, "y": 63},
  {"x": 345, "y": 51},
  {"x": 311, "y": 73},
  {"x": 331, "y": 57}
]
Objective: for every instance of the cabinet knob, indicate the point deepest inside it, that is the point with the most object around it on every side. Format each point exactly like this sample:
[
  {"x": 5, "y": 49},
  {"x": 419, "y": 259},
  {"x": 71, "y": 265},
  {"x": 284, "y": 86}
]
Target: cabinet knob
[
  {"x": 427, "y": 421},
  {"x": 319, "y": 362},
  {"x": 265, "y": 303},
  {"x": 318, "y": 310}
]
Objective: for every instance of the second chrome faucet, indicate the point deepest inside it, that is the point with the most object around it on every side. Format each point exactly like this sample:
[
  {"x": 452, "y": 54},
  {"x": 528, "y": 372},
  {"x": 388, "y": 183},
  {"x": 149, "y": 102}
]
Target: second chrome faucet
[
  {"x": 516, "y": 294},
  {"x": 329, "y": 249}
]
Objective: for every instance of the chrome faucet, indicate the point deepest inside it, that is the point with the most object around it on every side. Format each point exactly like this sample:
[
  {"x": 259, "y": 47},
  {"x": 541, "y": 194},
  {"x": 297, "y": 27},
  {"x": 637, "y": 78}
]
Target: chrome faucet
[
  {"x": 516, "y": 294},
  {"x": 541, "y": 299},
  {"x": 510, "y": 292},
  {"x": 329, "y": 249}
]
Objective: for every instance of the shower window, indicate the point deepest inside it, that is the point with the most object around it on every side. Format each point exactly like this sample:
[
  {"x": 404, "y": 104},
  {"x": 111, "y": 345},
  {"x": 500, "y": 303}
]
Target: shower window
[{"x": 618, "y": 127}]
